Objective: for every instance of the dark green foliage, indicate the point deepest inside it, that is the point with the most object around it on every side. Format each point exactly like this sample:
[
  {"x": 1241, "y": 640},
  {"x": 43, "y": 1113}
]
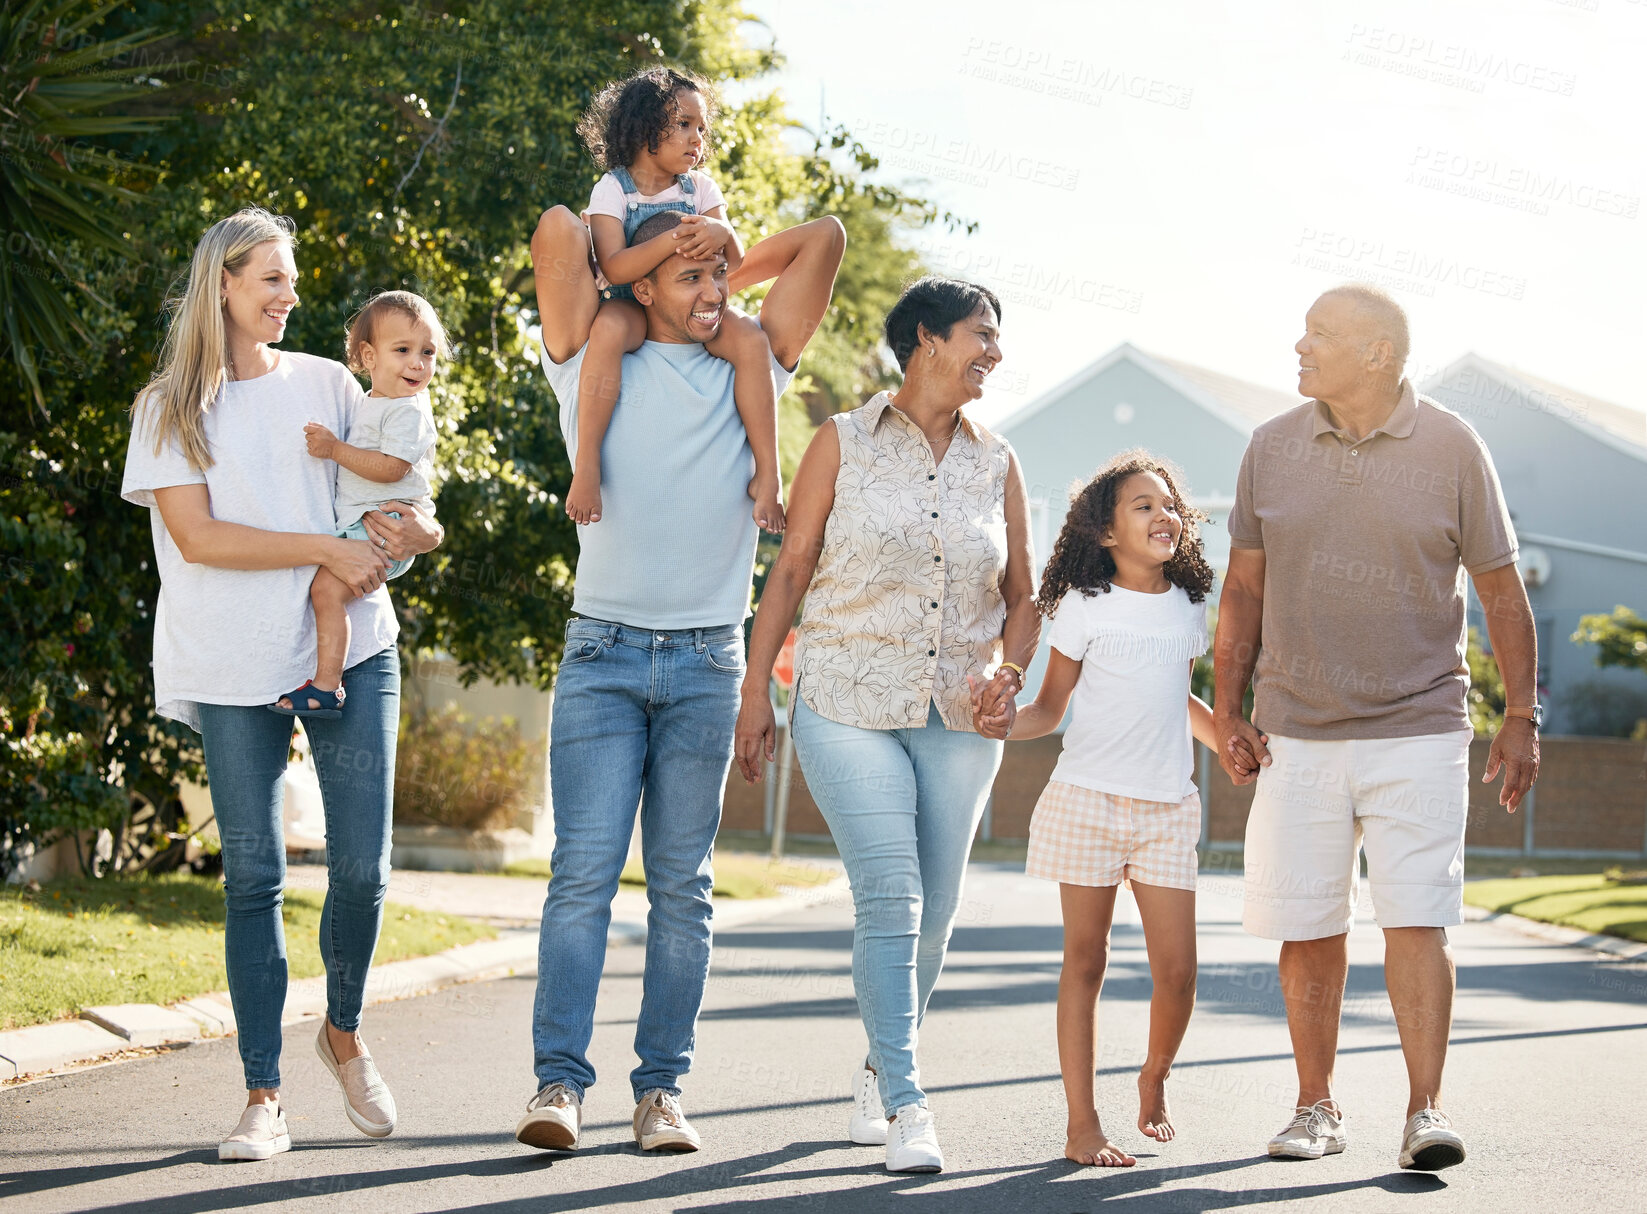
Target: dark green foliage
[
  {"x": 1620, "y": 638},
  {"x": 415, "y": 147}
]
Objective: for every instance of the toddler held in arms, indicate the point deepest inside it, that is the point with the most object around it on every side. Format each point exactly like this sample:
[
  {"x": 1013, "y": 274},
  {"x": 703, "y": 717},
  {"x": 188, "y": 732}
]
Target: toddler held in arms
[{"x": 396, "y": 339}]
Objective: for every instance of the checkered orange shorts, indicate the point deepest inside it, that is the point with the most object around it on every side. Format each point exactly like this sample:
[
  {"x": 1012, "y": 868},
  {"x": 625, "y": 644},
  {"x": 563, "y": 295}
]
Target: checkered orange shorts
[{"x": 1081, "y": 836}]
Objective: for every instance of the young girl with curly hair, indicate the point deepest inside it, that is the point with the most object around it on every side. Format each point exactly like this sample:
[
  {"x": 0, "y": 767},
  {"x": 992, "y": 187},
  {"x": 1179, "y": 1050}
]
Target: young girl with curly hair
[
  {"x": 650, "y": 132},
  {"x": 1126, "y": 592}
]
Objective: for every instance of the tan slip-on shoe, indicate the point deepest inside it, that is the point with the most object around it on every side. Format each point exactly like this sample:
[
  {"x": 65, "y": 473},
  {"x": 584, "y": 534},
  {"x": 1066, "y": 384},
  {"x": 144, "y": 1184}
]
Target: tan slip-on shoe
[
  {"x": 553, "y": 1121},
  {"x": 260, "y": 1134},
  {"x": 660, "y": 1125},
  {"x": 366, "y": 1097}
]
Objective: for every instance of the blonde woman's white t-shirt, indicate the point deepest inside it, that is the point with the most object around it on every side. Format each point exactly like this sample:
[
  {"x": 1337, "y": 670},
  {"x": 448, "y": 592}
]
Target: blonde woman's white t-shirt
[
  {"x": 1129, "y": 732},
  {"x": 237, "y": 636}
]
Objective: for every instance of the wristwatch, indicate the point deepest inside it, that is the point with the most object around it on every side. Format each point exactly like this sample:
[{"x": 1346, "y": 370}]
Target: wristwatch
[{"x": 1535, "y": 714}]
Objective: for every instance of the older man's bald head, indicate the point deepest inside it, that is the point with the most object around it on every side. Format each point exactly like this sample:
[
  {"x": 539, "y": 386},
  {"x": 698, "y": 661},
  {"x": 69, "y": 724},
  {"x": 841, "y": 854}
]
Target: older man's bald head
[{"x": 1376, "y": 317}]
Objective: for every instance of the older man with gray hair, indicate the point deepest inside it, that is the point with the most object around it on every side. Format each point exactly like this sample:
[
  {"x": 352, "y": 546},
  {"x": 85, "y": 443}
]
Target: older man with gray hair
[{"x": 1357, "y": 516}]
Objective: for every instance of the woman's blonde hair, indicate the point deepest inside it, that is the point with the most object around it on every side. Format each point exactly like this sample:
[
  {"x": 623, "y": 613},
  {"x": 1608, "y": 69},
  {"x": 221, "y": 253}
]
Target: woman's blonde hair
[
  {"x": 363, "y": 324},
  {"x": 194, "y": 359}
]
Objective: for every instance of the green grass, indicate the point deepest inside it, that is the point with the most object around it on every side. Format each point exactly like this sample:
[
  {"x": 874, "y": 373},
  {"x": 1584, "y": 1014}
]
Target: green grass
[
  {"x": 78, "y": 943},
  {"x": 1589, "y": 902},
  {"x": 737, "y": 874}
]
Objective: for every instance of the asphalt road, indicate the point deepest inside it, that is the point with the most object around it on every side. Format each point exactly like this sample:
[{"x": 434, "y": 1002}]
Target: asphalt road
[{"x": 1545, "y": 1081}]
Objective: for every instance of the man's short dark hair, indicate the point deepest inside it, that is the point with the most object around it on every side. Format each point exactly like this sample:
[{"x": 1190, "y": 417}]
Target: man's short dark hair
[
  {"x": 656, "y": 225},
  {"x": 937, "y": 303}
]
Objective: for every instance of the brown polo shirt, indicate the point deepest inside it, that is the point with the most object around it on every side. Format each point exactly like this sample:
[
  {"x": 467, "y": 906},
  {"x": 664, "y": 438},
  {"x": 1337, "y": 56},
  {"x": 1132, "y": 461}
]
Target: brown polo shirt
[{"x": 1366, "y": 545}]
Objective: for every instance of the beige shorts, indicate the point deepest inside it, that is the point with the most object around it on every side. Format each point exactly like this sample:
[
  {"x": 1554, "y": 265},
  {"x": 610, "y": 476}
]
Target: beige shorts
[
  {"x": 1320, "y": 802},
  {"x": 1080, "y": 836}
]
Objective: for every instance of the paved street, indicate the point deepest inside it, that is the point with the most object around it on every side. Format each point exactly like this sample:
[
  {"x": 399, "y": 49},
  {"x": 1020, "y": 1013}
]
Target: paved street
[{"x": 1536, "y": 1023}]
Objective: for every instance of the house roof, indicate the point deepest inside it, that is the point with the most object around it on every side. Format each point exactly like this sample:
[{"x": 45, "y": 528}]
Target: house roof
[
  {"x": 1236, "y": 402},
  {"x": 1618, "y": 426},
  {"x": 1245, "y": 405},
  {"x": 1253, "y": 401}
]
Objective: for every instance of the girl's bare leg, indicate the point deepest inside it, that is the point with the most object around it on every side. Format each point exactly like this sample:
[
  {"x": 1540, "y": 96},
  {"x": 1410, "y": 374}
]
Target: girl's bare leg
[
  {"x": 1088, "y": 911},
  {"x": 619, "y": 328},
  {"x": 1168, "y": 916},
  {"x": 742, "y": 343},
  {"x": 329, "y": 596}
]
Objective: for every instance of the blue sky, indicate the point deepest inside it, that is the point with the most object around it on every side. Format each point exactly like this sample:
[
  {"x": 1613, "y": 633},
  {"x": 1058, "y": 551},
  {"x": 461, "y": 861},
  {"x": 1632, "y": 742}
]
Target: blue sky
[{"x": 1188, "y": 176}]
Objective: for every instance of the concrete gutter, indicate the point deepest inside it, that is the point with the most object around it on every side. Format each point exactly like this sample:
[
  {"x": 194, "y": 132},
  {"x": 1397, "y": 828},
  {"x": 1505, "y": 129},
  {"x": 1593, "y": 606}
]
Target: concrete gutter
[{"x": 1617, "y": 946}]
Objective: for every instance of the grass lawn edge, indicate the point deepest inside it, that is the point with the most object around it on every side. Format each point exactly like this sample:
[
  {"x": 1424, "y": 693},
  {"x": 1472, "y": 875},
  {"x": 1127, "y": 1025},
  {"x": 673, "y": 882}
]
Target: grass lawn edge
[{"x": 1587, "y": 902}]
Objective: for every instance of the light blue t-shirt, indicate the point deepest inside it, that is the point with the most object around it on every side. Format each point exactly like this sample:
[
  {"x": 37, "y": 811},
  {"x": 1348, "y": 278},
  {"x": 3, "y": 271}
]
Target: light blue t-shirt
[{"x": 675, "y": 546}]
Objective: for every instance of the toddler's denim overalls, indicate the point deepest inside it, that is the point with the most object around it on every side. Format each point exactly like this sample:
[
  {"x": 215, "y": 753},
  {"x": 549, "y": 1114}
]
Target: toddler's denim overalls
[{"x": 637, "y": 212}]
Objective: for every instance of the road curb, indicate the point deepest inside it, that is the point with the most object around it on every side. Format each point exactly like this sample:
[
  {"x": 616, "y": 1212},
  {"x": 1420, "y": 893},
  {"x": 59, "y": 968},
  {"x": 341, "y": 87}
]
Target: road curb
[
  {"x": 113, "y": 1034},
  {"x": 1628, "y": 950}
]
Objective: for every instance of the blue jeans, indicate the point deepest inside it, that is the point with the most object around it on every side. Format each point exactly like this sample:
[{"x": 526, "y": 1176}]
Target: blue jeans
[
  {"x": 641, "y": 717},
  {"x": 902, "y": 805},
  {"x": 354, "y": 756}
]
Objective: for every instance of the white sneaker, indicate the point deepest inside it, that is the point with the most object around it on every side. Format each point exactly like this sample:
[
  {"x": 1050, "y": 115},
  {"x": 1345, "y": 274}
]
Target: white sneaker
[
  {"x": 553, "y": 1120},
  {"x": 1313, "y": 1132},
  {"x": 912, "y": 1141},
  {"x": 1430, "y": 1143},
  {"x": 661, "y": 1125},
  {"x": 260, "y": 1134},
  {"x": 868, "y": 1124}
]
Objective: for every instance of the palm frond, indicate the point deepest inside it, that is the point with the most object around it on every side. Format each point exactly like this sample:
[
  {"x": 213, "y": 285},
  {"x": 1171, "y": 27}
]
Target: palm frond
[{"x": 60, "y": 86}]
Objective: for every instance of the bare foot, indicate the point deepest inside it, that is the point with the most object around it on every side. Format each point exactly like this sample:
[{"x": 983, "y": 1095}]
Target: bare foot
[
  {"x": 1090, "y": 1147},
  {"x": 1153, "y": 1117},
  {"x": 768, "y": 495},
  {"x": 583, "y": 498}
]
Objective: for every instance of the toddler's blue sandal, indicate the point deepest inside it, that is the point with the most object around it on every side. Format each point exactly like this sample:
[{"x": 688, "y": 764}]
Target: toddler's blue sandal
[{"x": 331, "y": 703}]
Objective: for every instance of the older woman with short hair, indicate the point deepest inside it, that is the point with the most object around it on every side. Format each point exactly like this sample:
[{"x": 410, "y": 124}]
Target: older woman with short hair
[{"x": 909, "y": 537}]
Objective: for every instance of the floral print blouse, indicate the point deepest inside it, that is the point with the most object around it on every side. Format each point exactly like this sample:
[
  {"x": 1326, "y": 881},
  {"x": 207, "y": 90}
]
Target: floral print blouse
[{"x": 906, "y": 601}]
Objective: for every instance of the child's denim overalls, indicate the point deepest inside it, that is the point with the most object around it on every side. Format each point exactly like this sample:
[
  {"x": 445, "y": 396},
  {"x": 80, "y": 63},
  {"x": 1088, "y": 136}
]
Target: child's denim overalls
[{"x": 637, "y": 212}]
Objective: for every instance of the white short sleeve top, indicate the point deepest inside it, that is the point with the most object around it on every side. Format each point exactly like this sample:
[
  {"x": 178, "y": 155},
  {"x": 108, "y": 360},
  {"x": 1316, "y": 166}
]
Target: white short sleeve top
[
  {"x": 1129, "y": 731},
  {"x": 239, "y": 636}
]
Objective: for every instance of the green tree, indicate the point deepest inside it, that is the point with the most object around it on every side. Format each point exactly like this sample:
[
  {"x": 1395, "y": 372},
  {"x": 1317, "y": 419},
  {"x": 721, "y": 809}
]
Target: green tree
[
  {"x": 414, "y": 147},
  {"x": 1620, "y": 638},
  {"x": 1485, "y": 698},
  {"x": 57, "y": 86}
]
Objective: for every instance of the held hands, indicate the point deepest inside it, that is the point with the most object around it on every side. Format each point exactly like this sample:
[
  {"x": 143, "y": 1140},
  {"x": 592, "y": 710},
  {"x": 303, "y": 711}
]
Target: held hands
[
  {"x": 994, "y": 707},
  {"x": 701, "y": 236},
  {"x": 322, "y": 442},
  {"x": 1515, "y": 749},
  {"x": 1242, "y": 749}
]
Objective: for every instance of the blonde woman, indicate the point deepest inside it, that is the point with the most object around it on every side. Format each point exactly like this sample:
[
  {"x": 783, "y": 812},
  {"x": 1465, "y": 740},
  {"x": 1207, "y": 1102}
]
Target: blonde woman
[{"x": 241, "y": 517}]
